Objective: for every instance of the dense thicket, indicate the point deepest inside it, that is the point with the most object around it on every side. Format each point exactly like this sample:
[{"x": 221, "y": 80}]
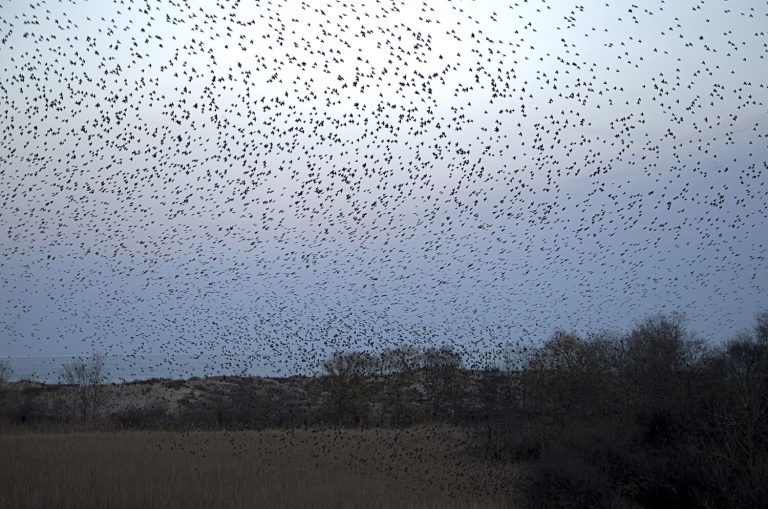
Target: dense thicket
[{"x": 653, "y": 417}]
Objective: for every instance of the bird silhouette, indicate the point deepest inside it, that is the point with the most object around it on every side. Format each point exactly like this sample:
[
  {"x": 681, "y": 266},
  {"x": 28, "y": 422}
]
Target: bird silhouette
[{"x": 247, "y": 188}]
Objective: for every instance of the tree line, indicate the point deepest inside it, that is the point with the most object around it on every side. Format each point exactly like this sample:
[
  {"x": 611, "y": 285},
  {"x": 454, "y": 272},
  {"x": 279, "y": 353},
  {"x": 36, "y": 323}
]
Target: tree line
[{"x": 650, "y": 417}]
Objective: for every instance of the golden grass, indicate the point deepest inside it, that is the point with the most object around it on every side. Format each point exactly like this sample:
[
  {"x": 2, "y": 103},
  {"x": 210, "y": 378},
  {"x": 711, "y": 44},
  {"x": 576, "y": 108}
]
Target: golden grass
[{"x": 424, "y": 467}]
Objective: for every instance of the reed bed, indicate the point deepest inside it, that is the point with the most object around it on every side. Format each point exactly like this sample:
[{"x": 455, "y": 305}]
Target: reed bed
[{"x": 301, "y": 468}]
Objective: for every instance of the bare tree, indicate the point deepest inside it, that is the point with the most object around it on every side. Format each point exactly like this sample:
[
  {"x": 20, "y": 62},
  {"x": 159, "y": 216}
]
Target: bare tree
[
  {"x": 400, "y": 366},
  {"x": 346, "y": 374},
  {"x": 5, "y": 371},
  {"x": 660, "y": 357},
  {"x": 761, "y": 328},
  {"x": 443, "y": 380},
  {"x": 5, "y": 374},
  {"x": 87, "y": 376}
]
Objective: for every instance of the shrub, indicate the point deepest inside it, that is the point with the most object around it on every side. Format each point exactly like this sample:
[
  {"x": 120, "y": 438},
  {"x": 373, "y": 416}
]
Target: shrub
[{"x": 147, "y": 416}]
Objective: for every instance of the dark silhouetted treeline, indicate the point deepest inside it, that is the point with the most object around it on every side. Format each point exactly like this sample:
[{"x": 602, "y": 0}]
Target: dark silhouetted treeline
[{"x": 652, "y": 417}]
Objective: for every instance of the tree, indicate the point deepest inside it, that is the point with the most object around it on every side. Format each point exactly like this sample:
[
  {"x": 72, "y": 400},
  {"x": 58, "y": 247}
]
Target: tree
[
  {"x": 761, "y": 328},
  {"x": 561, "y": 352},
  {"x": 660, "y": 358},
  {"x": 551, "y": 373},
  {"x": 442, "y": 380},
  {"x": 5, "y": 371},
  {"x": 659, "y": 344},
  {"x": 346, "y": 373},
  {"x": 87, "y": 376},
  {"x": 573, "y": 374},
  {"x": 399, "y": 367},
  {"x": 5, "y": 374}
]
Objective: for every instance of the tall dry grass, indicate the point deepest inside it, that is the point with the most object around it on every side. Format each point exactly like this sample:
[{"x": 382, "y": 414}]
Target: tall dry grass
[{"x": 424, "y": 467}]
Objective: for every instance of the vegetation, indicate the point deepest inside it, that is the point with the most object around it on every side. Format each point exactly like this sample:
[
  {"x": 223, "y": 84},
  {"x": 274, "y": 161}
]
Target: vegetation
[
  {"x": 653, "y": 417},
  {"x": 415, "y": 468},
  {"x": 88, "y": 377},
  {"x": 5, "y": 373}
]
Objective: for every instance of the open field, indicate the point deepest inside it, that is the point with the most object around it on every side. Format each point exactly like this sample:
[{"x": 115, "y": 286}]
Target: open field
[{"x": 418, "y": 467}]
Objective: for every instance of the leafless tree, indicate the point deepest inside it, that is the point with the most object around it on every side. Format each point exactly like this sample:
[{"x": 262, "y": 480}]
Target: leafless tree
[
  {"x": 400, "y": 366},
  {"x": 5, "y": 374},
  {"x": 346, "y": 373},
  {"x": 87, "y": 375},
  {"x": 443, "y": 380},
  {"x": 5, "y": 371},
  {"x": 761, "y": 327}
]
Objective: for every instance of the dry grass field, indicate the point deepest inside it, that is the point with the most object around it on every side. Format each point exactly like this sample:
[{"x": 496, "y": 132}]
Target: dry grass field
[{"x": 414, "y": 468}]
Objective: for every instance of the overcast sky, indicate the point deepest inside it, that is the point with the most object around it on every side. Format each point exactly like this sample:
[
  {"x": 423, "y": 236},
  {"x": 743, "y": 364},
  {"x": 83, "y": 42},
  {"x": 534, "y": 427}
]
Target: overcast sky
[{"x": 275, "y": 180}]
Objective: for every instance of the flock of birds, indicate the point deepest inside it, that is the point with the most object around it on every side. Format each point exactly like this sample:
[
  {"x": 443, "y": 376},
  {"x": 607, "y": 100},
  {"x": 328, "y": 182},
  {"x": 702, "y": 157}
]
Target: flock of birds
[{"x": 265, "y": 182}]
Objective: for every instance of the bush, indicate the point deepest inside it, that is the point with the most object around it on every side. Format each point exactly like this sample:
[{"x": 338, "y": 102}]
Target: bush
[
  {"x": 27, "y": 406},
  {"x": 561, "y": 478},
  {"x": 148, "y": 416}
]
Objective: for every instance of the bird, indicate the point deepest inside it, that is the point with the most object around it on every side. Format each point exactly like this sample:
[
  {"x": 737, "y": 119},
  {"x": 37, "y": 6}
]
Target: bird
[{"x": 230, "y": 191}]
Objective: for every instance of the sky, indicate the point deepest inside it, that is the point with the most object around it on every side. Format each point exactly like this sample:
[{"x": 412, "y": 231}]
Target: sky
[{"x": 272, "y": 181}]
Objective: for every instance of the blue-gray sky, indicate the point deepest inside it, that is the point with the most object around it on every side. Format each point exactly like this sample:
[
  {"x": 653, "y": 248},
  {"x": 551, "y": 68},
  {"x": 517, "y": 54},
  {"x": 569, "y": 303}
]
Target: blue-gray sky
[{"x": 272, "y": 180}]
